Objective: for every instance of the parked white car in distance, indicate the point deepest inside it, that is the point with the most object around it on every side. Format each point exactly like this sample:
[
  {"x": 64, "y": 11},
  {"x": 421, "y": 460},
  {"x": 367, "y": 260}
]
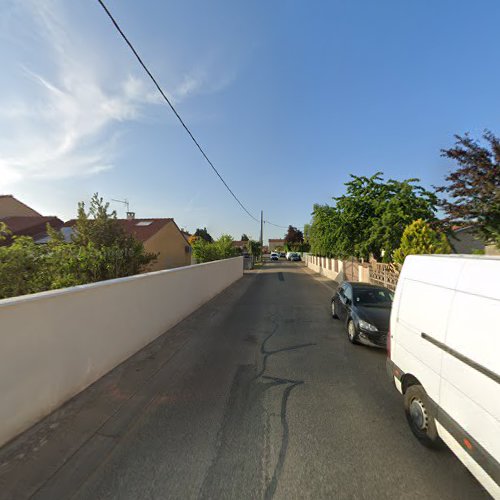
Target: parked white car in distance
[{"x": 444, "y": 357}]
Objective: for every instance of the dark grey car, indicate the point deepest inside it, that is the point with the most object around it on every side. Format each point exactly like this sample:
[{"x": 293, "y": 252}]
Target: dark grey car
[{"x": 365, "y": 310}]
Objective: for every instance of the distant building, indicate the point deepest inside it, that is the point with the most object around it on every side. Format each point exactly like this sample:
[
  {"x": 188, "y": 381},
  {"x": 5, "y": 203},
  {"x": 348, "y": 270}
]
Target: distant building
[
  {"x": 34, "y": 226},
  {"x": 464, "y": 241},
  {"x": 273, "y": 244},
  {"x": 159, "y": 236},
  {"x": 241, "y": 244},
  {"x": 12, "y": 207},
  {"x": 22, "y": 220},
  {"x": 185, "y": 234}
]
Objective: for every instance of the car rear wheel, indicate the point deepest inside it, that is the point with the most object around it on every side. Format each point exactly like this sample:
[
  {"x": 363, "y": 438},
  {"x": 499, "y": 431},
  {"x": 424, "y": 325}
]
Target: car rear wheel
[
  {"x": 420, "y": 415},
  {"x": 351, "y": 332},
  {"x": 334, "y": 314}
]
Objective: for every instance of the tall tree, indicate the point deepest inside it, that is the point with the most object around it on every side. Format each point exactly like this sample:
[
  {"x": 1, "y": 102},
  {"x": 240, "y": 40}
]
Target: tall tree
[
  {"x": 97, "y": 225},
  {"x": 294, "y": 235},
  {"x": 307, "y": 232},
  {"x": 244, "y": 237},
  {"x": 254, "y": 248},
  {"x": 203, "y": 234},
  {"x": 473, "y": 189},
  {"x": 112, "y": 253},
  {"x": 370, "y": 217},
  {"x": 403, "y": 202}
]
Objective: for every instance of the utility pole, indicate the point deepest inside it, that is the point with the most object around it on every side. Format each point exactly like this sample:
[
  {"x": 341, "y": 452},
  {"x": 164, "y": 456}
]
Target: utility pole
[{"x": 261, "y": 228}]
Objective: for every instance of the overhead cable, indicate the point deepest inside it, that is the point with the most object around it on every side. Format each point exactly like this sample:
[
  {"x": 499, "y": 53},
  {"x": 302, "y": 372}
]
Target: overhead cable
[{"x": 115, "y": 23}]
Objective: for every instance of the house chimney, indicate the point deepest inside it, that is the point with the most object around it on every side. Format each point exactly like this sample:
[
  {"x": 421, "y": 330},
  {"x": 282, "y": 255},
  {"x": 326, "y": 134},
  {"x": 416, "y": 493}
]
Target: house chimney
[{"x": 130, "y": 215}]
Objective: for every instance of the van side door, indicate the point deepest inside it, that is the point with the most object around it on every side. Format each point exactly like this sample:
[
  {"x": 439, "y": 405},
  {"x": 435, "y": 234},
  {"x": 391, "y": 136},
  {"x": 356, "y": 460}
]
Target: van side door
[
  {"x": 424, "y": 304},
  {"x": 470, "y": 385}
]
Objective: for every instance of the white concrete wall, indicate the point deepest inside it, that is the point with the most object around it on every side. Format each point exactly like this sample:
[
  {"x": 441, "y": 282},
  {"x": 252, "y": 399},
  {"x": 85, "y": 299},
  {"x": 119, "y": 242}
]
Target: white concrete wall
[
  {"x": 54, "y": 344},
  {"x": 333, "y": 268},
  {"x": 321, "y": 266}
]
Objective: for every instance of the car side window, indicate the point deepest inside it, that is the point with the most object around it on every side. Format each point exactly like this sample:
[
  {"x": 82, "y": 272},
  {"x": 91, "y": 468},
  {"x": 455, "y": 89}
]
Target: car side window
[{"x": 348, "y": 293}]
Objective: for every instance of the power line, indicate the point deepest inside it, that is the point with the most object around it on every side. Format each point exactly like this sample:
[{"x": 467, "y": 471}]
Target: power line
[
  {"x": 277, "y": 225},
  {"x": 115, "y": 23}
]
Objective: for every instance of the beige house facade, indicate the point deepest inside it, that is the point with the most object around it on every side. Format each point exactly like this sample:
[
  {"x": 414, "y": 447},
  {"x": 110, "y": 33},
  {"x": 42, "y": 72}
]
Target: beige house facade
[{"x": 171, "y": 246}]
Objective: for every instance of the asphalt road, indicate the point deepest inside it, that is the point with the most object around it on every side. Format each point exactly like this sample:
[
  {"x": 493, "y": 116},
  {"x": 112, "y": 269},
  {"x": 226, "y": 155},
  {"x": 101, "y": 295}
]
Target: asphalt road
[{"x": 258, "y": 394}]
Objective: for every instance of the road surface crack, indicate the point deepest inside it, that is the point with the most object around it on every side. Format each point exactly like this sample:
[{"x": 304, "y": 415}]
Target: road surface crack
[{"x": 273, "y": 483}]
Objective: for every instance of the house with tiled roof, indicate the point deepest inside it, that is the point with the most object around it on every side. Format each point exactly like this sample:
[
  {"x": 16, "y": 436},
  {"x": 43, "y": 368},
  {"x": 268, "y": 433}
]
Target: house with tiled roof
[
  {"x": 464, "y": 240},
  {"x": 12, "y": 207},
  {"x": 22, "y": 220},
  {"x": 160, "y": 236}
]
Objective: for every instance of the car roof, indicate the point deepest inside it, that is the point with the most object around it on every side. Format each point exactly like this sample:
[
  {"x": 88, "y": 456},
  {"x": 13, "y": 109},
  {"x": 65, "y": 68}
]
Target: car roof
[{"x": 360, "y": 285}]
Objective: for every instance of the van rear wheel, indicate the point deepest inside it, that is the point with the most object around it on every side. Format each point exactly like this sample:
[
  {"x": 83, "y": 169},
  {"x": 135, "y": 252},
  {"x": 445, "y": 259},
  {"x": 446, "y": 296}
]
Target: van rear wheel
[{"x": 420, "y": 415}]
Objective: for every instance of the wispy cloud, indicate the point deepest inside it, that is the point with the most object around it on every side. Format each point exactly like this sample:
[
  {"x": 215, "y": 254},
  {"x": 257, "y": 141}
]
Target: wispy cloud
[{"x": 64, "y": 121}]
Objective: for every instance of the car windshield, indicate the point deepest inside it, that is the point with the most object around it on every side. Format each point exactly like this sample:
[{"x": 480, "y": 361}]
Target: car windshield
[{"x": 372, "y": 296}]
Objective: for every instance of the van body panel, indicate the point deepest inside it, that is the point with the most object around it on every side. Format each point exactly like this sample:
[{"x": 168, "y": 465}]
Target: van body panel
[
  {"x": 416, "y": 315},
  {"x": 474, "y": 329},
  {"x": 442, "y": 272},
  {"x": 480, "y": 277},
  {"x": 476, "y": 470},
  {"x": 426, "y": 375},
  {"x": 445, "y": 332},
  {"x": 477, "y": 422},
  {"x": 471, "y": 394}
]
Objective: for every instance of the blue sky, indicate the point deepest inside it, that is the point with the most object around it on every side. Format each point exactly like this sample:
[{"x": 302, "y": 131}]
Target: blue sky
[{"x": 287, "y": 97}]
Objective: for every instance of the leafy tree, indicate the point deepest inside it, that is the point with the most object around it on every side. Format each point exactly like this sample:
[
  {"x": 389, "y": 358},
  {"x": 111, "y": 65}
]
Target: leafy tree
[
  {"x": 474, "y": 187},
  {"x": 244, "y": 237},
  {"x": 419, "y": 238},
  {"x": 4, "y": 231},
  {"x": 99, "y": 236},
  {"x": 92, "y": 255},
  {"x": 203, "y": 233},
  {"x": 222, "y": 248},
  {"x": 294, "y": 239},
  {"x": 254, "y": 248},
  {"x": 21, "y": 268},
  {"x": 324, "y": 232},
  {"x": 97, "y": 226},
  {"x": 404, "y": 202},
  {"x": 369, "y": 218},
  {"x": 307, "y": 232}
]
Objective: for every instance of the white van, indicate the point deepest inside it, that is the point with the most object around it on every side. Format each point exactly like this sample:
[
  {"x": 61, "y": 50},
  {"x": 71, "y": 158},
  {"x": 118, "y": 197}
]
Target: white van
[{"x": 444, "y": 356}]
